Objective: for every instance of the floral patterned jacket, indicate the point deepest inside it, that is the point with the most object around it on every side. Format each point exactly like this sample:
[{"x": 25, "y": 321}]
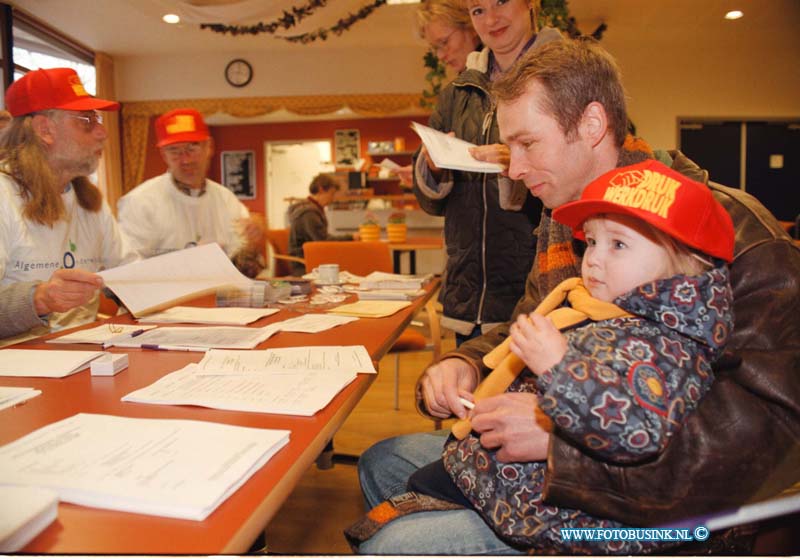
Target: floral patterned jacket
[{"x": 621, "y": 391}]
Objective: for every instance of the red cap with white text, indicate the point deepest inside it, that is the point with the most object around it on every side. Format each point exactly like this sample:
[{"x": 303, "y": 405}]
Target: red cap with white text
[
  {"x": 662, "y": 197},
  {"x": 52, "y": 88}
]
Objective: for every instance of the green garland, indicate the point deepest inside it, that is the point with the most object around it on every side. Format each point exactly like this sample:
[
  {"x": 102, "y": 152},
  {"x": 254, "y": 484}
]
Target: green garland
[{"x": 290, "y": 19}]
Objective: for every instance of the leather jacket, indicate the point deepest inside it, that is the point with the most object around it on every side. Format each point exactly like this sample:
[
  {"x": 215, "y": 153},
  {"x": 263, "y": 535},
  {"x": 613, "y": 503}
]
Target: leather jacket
[{"x": 742, "y": 444}]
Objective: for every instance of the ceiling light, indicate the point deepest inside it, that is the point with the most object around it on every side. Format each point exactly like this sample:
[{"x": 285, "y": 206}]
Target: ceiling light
[
  {"x": 734, "y": 14},
  {"x": 171, "y": 18}
]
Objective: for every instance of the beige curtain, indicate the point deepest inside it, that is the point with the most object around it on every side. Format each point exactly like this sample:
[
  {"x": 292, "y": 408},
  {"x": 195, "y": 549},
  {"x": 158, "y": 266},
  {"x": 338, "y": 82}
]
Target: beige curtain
[
  {"x": 136, "y": 116},
  {"x": 109, "y": 173}
]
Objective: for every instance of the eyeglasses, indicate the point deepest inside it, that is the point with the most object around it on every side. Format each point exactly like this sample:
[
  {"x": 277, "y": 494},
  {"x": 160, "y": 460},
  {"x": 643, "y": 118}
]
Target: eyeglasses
[
  {"x": 90, "y": 120},
  {"x": 442, "y": 43},
  {"x": 187, "y": 149}
]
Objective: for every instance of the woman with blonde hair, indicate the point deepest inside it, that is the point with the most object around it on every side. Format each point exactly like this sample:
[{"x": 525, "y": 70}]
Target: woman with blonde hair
[{"x": 446, "y": 26}]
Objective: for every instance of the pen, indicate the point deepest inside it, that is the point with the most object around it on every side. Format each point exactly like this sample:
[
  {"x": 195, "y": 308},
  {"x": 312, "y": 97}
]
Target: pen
[
  {"x": 176, "y": 348},
  {"x": 111, "y": 342},
  {"x": 137, "y": 332},
  {"x": 466, "y": 403}
]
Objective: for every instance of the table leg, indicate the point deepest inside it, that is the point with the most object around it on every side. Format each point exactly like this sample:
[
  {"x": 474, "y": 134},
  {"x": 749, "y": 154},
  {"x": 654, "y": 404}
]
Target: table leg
[{"x": 396, "y": 261}]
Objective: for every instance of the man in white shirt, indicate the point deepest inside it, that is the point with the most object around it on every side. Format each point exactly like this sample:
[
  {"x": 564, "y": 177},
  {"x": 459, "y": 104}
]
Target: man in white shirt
[
  {"x": 182, "y": 207},
  {"x": 55, "y": 229}
]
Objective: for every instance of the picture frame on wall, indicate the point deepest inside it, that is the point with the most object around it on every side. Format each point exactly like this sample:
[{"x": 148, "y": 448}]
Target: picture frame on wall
[
  {"x": 347, "y": 147},
  {"x": 239, "y": 172}
]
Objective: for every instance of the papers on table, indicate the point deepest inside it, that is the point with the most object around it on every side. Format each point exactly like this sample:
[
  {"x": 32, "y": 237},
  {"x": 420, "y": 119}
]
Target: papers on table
[
  {"x": 102, "y": 334},
  {"x": 370, "y": 309},
  {"x": 159, "y": 282},
  {"x": 209, "y": 315},
  {"x": 387, "y": 281},
  {"x": 299, "y": 381},
  {"x": 198, "y": 339},
  {"x": 289, "y": 360},
  {"x": 9, "y": 396},
  {"x": 301, "y": 394},
  {"x": 172, "y": 468},
  {"x": 44, "y": 363},
  {"x": 401, "y": 295},
  {"x": 26, "y": 513},
  {"x": 449, "y": 152},
  {"x": 313, "y": 322}
]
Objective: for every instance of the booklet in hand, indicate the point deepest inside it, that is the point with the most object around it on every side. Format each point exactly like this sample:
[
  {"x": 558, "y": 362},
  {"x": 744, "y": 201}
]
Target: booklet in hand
[{"x": 449, "y": 152}]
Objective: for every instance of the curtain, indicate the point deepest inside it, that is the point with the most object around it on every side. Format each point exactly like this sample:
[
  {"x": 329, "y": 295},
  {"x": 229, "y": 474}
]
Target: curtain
[{"x": 109, "y": 173}]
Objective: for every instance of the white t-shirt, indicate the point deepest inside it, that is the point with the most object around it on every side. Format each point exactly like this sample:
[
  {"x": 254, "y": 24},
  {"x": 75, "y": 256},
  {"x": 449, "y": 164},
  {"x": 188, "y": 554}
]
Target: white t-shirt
[
  {"x": 31, "y": 251},
  {"x": 156, "y": 217}
]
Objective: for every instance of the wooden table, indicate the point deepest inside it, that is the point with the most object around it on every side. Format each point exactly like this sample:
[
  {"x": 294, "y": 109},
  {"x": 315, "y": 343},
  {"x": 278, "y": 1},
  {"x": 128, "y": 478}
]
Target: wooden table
[
  {"x": 411, "y": 245},
  {"x": 236, "y": 523}
]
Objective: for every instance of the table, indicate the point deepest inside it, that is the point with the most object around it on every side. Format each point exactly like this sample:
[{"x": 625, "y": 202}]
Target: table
[
  {"x": 411, "y": 245},
  {"x": 236, "y": 523}
]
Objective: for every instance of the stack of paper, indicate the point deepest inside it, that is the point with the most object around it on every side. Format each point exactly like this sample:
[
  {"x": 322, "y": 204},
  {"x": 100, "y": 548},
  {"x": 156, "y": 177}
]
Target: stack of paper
[
  {"x": 25, "y": 513},
  {"x": 172, "y": 468},
  {"x": 44, "y": 363},
  {"x": 99, "y": 335},
  {"x": 198, "y": 339},
  {"x": 388, "y": 281},
  {"x": 9, "y": 396},
  {"x": 401, "y": 295},
  {"x": 370, "y": 309}
]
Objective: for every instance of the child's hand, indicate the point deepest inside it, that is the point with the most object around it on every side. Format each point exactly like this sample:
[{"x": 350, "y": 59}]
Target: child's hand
[{"x": 537, "y": 342}]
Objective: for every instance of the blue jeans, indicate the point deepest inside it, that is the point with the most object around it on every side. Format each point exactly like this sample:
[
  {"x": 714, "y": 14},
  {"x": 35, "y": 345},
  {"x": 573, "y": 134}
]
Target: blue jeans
[
  {"x": 383, "y": 471},
  {"x": 462, "y": 338}
]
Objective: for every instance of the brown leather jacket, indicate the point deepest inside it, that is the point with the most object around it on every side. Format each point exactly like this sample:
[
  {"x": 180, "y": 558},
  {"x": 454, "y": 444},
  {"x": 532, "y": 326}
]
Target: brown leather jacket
[{"x": 742, "y": 444}]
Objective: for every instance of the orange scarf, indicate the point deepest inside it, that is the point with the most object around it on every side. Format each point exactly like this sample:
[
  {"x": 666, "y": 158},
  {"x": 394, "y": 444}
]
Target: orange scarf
[{"x": 507, "y": 365}]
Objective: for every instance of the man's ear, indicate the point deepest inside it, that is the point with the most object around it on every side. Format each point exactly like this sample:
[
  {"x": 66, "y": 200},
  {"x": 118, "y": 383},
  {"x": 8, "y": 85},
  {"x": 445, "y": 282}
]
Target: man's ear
[
  {"x": 594, "y": 123},
  {"x": 45, "y": 128}
]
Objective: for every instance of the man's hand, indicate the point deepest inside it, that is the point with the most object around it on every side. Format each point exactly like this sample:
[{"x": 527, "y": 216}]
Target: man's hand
[
  {"x": 513, "y": 424},
  {"x": 442, "y": 385},
  {"x": 66, "y": 289},
  {"x": 253, "y": 230},
  {"x": 537, "y": 342}
]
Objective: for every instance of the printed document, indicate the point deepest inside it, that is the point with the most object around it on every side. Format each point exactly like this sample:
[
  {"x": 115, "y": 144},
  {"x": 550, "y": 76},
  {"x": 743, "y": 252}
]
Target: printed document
[
  {"x": 300, "y": 359},
  {"x": 370, "y": 309},
  {"x": 298, "y": 393},
  {"x": 159, "y": 282},
  {"x": 313, "y": 322},
  {"x": 172, "y": 468},
  {"x": 44, "y": 363},
  {"x": 99, "y": 335},
  {"x": 25, "y": 513},
  {"x": 199, "y": 338},
  {"x": 209, "y": 315},
  {"x": 9, "y": 396},
  {"x": 449, "y": 152},
  {"x": 388, "y": 281}
]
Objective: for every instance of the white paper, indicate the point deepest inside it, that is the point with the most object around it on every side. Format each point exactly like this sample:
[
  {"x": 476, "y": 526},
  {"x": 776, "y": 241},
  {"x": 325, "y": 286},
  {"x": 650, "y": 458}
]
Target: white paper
[
  {"x": 25, "y": 513},
  {"x": 172, "y": 468},
  {"x": 9, "y": 396},
  {"x": 209, "y": 315},
  {"x": 200, "y": 338},
  {"x": 388, "y": 295},
  {"x": 158, "y": 282},
  {"x": 302, "y": 394},
  {"x": 100, "y": 335},
  {"x": 288, "y": 360},
  {"x": 44, "y": 363},
  {"x": 313, "y": 322},
  {"x": 388, "y": 281},
  {"x": 449, "y": 152}
]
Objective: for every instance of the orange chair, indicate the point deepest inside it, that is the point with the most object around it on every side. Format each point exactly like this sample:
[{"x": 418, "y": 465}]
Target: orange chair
[
  {"x": 361, "y": 258},
  {"x": 278, "y": 250}
]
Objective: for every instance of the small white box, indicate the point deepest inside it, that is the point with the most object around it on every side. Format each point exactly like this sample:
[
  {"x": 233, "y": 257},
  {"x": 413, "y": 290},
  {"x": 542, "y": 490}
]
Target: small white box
[{"x": 109, "y": 364}]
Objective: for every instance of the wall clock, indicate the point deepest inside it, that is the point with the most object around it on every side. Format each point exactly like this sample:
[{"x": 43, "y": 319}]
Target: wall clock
[{"x": 238, "y": 72}]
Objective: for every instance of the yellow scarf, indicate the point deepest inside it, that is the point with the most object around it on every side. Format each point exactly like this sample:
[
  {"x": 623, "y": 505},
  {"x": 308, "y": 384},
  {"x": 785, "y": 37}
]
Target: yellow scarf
[{"x": 507, "y": 365}]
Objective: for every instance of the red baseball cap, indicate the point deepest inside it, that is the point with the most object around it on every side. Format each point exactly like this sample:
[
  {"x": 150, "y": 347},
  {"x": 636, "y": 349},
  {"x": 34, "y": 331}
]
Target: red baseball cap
[
  {"x": 180, "y": 125},
  {"x": 52, "y": 88},
  {"x": 662, "y": 197}
]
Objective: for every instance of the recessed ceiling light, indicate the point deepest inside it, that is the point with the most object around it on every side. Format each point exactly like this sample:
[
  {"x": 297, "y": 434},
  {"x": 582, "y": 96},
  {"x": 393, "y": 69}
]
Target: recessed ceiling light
[
  {"x": 171, "y": 18},
  {"x": 734, "y": 14}
]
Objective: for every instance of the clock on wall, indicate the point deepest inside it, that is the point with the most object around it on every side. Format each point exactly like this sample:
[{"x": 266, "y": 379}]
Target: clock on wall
[{"x": 238, "y": 72}]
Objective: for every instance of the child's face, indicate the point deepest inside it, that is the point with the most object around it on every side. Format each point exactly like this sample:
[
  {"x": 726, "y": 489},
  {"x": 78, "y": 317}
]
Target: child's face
[{"x": 620, "y": 256}]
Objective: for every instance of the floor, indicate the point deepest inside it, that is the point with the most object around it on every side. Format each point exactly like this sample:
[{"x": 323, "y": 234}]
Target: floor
[{"x": 326, "y": 501}]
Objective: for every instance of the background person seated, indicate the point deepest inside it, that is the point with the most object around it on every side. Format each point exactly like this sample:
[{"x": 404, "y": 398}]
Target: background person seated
[{"x": 307, "y": 220}]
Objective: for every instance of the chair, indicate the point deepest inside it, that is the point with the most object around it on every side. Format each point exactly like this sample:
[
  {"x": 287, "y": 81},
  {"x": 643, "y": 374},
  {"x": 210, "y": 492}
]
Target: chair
[
  {"x": 278, "y": 250},
  {"x": 361, "y": 258}
]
